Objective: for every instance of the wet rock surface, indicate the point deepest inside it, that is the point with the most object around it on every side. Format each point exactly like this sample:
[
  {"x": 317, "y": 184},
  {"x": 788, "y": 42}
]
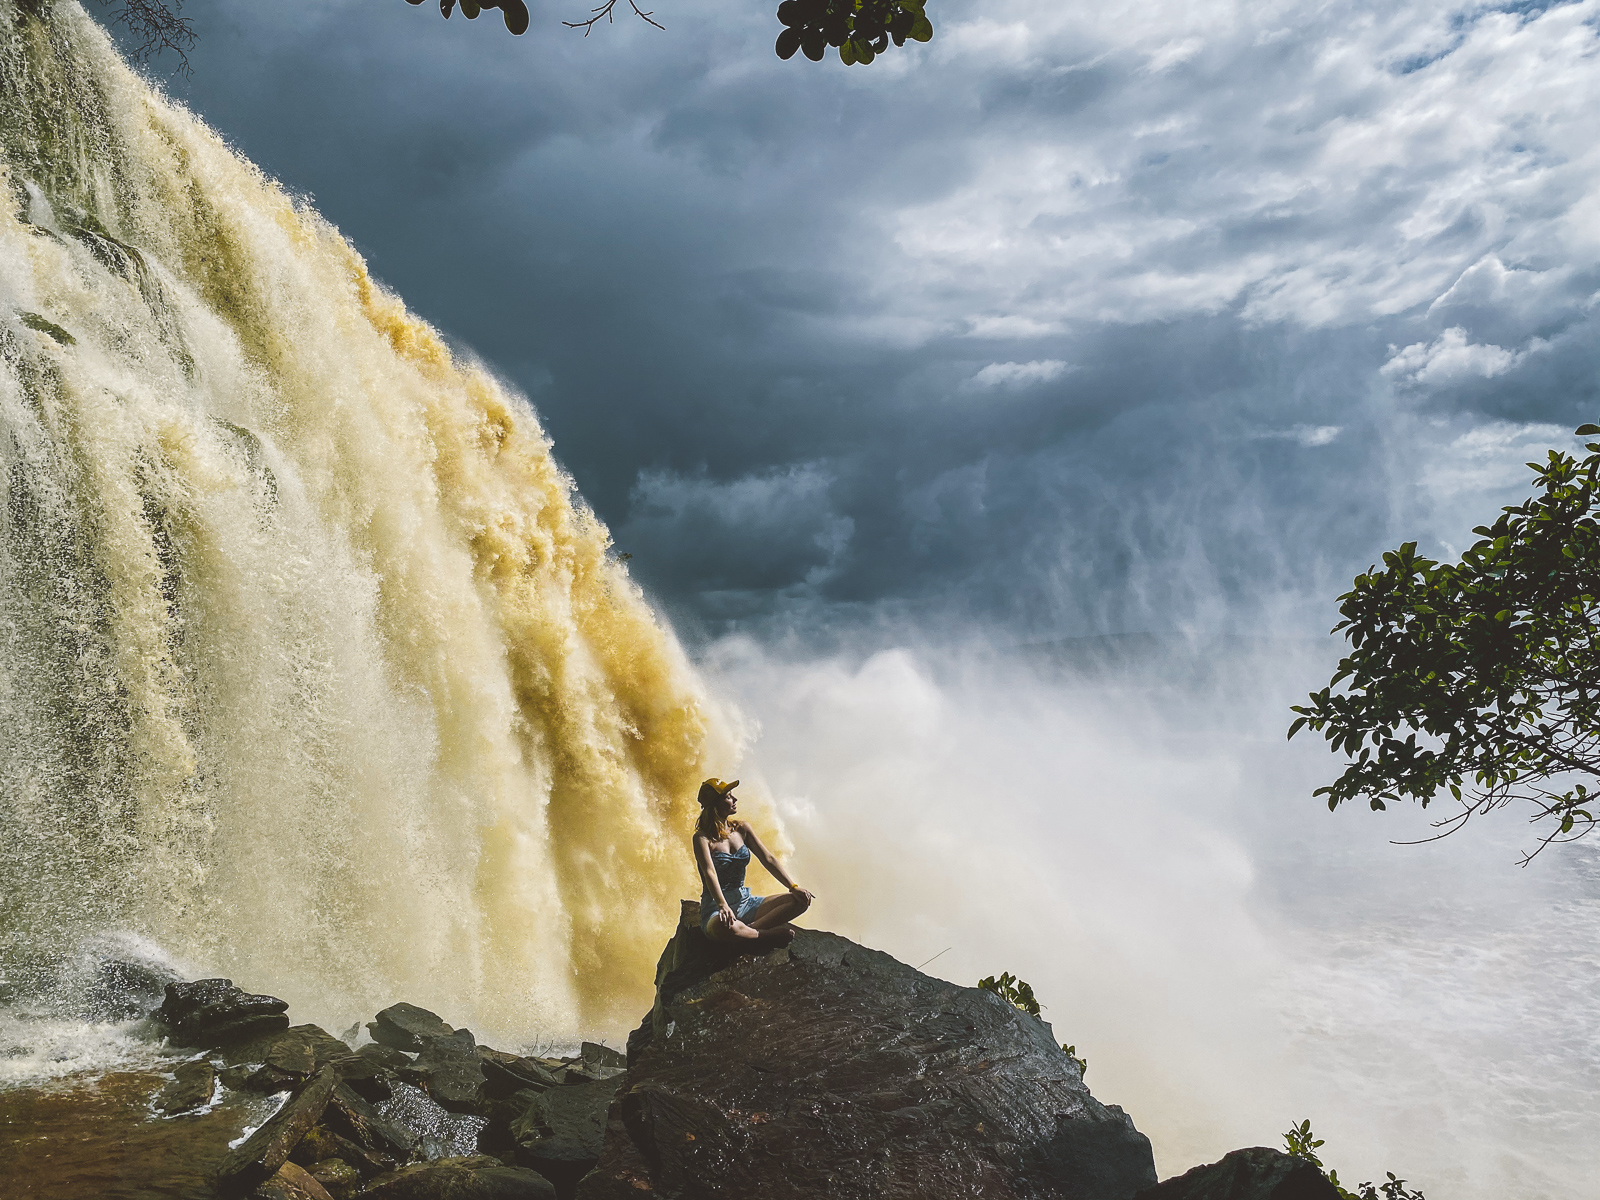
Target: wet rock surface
[
  {"x": 192, "y": 1086},
  {"x": 291, "y": 1183},
  {"x": 477, "y": 1178},
  {"x": 407, "y": 1027},
  {"x": 1257, "y": 1173},
  {"x": 831, "y": 1070},
  {"x": 211, "y": 1013},
  {"x": 449, "y": 1069},
  {"x": 258, "y": 1158},
  {"x": 562, "y": 1132}
]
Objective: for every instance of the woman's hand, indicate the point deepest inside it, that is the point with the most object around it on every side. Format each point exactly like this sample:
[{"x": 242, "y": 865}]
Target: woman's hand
[
  {"x": 797, "y": 890},
  {"x": 725, "y": 915}
]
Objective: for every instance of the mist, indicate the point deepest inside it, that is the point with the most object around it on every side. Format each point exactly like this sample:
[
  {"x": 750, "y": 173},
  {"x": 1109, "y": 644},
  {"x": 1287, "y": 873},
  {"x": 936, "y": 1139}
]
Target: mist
[{"x": 1122, "y": 824}]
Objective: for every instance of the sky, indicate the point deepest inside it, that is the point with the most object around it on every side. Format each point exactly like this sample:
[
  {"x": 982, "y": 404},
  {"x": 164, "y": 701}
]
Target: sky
[
  {"x": 1117, "y": 319},
  {"x": 1078, "y": 320}
]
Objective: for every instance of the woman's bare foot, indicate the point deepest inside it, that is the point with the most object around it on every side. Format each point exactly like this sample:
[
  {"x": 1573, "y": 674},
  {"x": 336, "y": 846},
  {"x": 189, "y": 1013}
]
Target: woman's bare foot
[{"x": 776, "y": 937}]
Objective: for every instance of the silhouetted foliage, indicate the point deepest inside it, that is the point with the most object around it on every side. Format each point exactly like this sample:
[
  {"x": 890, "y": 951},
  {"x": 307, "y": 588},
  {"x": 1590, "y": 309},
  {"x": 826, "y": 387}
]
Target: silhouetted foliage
[
  {"x": 859, "y": 29},
  {"x": 1302, "y": 1143},
  {"x": 515, "y": 12},
  {"x": 1480, "y": 677}
]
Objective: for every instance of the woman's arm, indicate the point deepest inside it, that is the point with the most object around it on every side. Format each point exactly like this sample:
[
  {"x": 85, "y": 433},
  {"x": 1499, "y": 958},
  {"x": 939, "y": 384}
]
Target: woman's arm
[
  {"x": 708, "y": 876},
  {"x": 753, "y": 840}
]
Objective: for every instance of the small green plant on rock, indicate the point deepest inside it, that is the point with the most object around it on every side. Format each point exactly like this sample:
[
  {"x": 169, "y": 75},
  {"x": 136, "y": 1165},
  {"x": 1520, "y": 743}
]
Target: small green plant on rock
[
  {"x": 1015, "y": 991},
  {"x": 1302, "y": 1143}
]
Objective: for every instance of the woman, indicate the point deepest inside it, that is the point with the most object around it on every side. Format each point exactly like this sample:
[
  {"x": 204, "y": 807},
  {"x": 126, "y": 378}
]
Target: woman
[{"x": 722, "y": 847}]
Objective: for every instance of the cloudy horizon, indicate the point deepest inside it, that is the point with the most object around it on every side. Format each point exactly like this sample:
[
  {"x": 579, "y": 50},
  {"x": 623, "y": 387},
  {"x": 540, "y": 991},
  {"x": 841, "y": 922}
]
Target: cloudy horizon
[{"x": 1158, "y": 317}]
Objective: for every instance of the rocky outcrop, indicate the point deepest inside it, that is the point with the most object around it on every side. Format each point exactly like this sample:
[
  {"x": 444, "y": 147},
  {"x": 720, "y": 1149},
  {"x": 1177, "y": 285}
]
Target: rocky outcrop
[
  {"x": 449, "y": 1070},
  {"x": 407, "y": 1027},
  {"x": 831, "y": 1070},
  {"x": 192, "y": 1086},
  {"x": 258, "y": 1158},
  {"x": 562, "y": 1131},
  {"x": 479, "y": 1178},
  {"x": 211, "y": 1013},
  {"x": 1254, "y": 1174},
  {"x": 291, "y": 1183}
]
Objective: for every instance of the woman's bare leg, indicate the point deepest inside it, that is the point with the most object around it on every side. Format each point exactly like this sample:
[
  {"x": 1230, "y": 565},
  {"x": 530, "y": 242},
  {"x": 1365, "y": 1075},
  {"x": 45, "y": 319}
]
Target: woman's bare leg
[
  {"x": 779, "y": 910},
  {"x": 718, "y": 932}
]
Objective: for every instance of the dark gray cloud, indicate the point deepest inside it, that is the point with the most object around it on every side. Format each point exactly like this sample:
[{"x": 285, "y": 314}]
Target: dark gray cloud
[{"x": 1144, "y": 317}]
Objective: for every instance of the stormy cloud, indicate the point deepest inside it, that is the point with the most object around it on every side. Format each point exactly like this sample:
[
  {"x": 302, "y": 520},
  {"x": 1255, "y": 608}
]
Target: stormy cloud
[{"x": 1080, "y": 319}]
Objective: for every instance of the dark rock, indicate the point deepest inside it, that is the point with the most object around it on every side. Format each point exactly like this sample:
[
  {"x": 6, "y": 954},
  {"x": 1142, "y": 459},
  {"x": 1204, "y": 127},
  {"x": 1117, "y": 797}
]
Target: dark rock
[
  {"x": 506, "y": 1074},
  {"x": 500, "y": 1113},
  {"x": 1254, "y": 1174},
  {"x": 385, "y": 1056},
  {"x": 292, "y": 1183},
  {"x": 478, "y": 1178},
  {"x": 640, "y": 1037},
  {"x": 338, "y": 1178},
  {"x": 322, "y": 1143},
  {"x": 300, "y": 1050},
  {"x": 235, "y": 1078},
  {"x": 352, "y": 1117},
  {"x": 830, "y": 1070},
  {"x": 450, "y": 1071},
  {"x": 407, "y": 1027},
  {"x": 366, "y": 1076},
  {"x": 602, "y": 1056},
  {"x": 192, "y": 1087},
  {"x": 212, "y": 1013},
  {"x": 264, "y": 1151},
  {"x": 562, "y": 1132}
]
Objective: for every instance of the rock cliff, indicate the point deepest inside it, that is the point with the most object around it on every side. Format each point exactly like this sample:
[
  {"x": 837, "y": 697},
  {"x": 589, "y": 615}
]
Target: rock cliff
[{"x": 831, "y": 1070}]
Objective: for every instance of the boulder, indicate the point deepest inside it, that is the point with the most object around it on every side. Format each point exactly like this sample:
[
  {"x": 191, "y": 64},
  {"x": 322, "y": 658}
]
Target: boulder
[
  {"x": 192, "y": 1086},
  {"x": 386, "y": 1057},
  {"x": 366, "y": 1076},
  {"x": 352, "y": 1117},
  {"x": 407, "y": 1027},
  {"x": 211, "y": 1013},
  {"x": 827, "y": 1069},
  {"x": 259, "y": 1156},
  {"x": 1257, "y": 1173},
  {"x": 338, "y": 1178},
  {"x": 476, "y": 1178},
  {"x": 506, "y": 1074},
  {"x": 282, "y": 1059},
  {"x": 450, "y": 1071},
  {"x": 562, "y": 1132},
  {"x": 594, "y": 1054},
  {"x": 321, "y": 1144},
  {"x": 291, "y": 1183}
]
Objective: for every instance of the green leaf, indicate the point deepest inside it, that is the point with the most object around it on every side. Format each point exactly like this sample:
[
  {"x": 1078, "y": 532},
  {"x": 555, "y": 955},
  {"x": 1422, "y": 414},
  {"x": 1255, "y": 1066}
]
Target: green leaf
[{"x": 922, "y": 31}]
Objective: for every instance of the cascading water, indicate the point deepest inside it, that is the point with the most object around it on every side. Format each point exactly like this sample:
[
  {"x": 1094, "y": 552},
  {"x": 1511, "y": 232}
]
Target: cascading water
[{"x": 313, "y": 669}]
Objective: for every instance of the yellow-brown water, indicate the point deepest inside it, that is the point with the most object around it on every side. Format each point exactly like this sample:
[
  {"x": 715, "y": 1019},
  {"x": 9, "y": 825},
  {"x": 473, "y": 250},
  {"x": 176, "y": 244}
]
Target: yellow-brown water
[
  {"x": 314, "y": 670},
  {"x": 97, "y": 1137}
]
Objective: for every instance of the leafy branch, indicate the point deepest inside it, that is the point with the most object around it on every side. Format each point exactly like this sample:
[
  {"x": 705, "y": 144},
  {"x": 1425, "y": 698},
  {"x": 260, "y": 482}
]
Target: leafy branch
[
  {"x": 1302, "y": 1143},
  {"x": 1482, "y": 677}
]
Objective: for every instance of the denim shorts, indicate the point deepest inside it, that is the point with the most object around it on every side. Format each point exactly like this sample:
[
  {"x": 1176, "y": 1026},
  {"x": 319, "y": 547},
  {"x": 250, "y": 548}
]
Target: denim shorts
[{"x": 743, "y": 902}]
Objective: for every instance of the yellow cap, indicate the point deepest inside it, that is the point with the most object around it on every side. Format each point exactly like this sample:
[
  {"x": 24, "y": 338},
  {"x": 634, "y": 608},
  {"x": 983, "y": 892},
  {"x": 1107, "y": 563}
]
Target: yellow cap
[{"x": 715, "y": 789}]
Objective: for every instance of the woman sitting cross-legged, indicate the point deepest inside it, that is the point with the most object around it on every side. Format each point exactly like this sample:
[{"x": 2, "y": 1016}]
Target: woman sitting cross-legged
[{"x": 722, "y": 847}]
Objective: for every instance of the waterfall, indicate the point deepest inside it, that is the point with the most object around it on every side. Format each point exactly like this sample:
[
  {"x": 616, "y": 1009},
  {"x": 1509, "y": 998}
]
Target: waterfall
[{"x": 314, "y": 669}]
